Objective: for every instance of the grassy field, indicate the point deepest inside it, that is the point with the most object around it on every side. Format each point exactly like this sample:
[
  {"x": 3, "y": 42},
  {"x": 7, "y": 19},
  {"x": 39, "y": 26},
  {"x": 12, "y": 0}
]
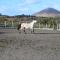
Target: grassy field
[{"x": 41, "y": 45}]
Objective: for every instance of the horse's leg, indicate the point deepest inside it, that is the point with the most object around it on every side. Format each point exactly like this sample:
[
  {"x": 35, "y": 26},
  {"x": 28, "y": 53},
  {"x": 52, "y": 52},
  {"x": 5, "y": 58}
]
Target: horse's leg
[
  {"x": 32, "y": 30},
  {"x": 24, "y": 30},
  {"x": 20, "y": 31}
]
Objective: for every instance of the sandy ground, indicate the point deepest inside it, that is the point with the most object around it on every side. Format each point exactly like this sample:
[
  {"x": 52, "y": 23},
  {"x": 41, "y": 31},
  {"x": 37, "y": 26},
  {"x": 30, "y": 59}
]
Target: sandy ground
[{"x": 44, "y": 45}]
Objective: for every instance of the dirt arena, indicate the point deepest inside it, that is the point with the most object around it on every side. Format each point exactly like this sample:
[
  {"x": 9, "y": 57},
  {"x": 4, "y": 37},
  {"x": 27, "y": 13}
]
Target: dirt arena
[{"x": 41, "y": 45}]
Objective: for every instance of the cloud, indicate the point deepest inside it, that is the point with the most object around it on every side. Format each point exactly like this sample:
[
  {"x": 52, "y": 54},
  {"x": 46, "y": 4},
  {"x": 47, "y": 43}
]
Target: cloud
[
  {"x": 3, "y": 9},
  {"x": 25, "y": 5},
  {"x": 22, "y": 9},
  {"x": 30, "y": 1}
]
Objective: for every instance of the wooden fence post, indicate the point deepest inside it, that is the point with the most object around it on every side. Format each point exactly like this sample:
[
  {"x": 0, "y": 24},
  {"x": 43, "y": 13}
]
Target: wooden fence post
[
  {"x": 12, "y": 24},
  {"x": 5, "y": 23}
]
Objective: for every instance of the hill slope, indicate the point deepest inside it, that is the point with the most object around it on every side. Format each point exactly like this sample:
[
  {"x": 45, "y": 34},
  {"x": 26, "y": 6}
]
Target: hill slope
[{"x": 48, "y": 12}]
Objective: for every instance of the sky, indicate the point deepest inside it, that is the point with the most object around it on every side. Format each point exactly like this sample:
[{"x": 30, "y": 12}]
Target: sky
[{"x": 27, "y": 7}]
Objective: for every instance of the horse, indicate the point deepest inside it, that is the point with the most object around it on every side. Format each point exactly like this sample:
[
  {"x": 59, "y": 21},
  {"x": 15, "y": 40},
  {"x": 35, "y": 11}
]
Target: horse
[{"x": 28, "y": 25}]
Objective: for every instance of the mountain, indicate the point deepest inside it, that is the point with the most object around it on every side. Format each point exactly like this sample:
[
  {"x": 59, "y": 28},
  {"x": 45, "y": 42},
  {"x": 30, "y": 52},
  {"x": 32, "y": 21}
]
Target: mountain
[{"x": 48, "y": 12}]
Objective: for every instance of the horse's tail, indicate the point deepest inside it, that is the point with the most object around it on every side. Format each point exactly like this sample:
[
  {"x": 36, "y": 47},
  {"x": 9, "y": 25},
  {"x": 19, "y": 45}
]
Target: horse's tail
[{"x": 19, "y": 26}]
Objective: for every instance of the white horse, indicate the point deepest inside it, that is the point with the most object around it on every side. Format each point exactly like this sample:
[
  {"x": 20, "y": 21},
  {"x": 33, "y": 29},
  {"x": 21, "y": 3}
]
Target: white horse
[{"x": 28, "y": 25}]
